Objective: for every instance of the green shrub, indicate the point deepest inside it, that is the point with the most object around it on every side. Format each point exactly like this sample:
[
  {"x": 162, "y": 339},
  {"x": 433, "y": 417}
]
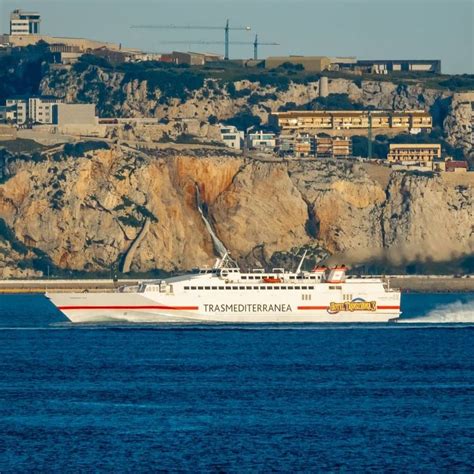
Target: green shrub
[
  {"x": 130, "y": 221},
  {"x": 243, "y": 121},
  {"x": 171, "y": 83},
  {"x": 146, "y": 213},
  {"x": 81, "y": 148}
]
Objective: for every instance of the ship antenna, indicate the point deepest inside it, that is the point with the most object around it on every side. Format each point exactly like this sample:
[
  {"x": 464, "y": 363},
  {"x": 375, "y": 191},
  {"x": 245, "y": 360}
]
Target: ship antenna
[{"x": 298, "y": 270}]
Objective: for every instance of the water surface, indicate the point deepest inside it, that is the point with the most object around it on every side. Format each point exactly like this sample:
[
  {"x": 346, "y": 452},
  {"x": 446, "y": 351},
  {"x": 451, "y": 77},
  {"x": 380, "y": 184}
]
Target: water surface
[{"x": 238, "y": 399}]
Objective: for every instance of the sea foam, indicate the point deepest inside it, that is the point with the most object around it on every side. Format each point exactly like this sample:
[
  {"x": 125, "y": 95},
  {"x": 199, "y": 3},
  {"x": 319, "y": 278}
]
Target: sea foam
[{"x": 456, "y": 312}]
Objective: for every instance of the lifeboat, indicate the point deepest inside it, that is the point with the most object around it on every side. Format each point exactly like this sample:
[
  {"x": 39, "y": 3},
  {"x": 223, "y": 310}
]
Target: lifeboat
[
  {"x": 319, "y": 269},
  {"x": 272, "y": 280}
]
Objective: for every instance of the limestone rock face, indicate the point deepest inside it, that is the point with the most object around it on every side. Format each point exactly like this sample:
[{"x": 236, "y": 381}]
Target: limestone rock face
[
  {"x": 429, "y": 217},
  {"x": 458, "y": 124},
  {"x": 262, "y": 208},
  {"x": 85, "y": 212}
]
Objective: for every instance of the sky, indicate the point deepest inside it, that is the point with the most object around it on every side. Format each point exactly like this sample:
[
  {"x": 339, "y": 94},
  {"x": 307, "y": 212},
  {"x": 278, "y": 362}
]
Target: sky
[{"x": 367, "y": 29}]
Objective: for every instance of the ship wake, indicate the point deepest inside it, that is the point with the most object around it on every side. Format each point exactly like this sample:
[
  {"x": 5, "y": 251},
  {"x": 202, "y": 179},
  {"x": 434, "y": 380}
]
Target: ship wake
[{"x": 457, "y": 312}]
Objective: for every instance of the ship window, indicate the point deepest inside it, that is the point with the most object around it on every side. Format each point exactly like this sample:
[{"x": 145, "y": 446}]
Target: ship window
[
  {"x": 292, "y": 277},
  {"x": 186, "y": 287},
  {"x": 256, "y": 287},
  {"x": 241, "y": 287},
  {"x": 200, "y": 288},
  {"x": 221, "y": 287},
  {"x": 244, "y": 277},
  {"x": 235, "y": 287},
  {"x": 297, "y": 287},
  {"x": 276, "y": 287},
  {"x": 207, "y": 287},
  {"x": 228, "y": 288}
]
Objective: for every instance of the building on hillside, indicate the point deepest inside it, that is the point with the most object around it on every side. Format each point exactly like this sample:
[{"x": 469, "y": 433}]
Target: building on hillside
[
  {"x": 232, "y": 137},
  {"x": 263, "y": 141},
  {"x": 24, "y": 23},
  {"x": 453, "y": 166},
  {"x": 17, "y": 111},
  {"x": 40, "y": 109},
  {"x": 31, "y": 110},
  {"x": 140, "y": 57},
  {"x": 424, "y": 156},
  {"x": 167, "y": 58},
  {"x": 309, "y": 63},
  {"x": 351, "y": 119},
  {"x": 333, "y": 147},
  {"x": 194, "y": 59},
  {"x": 48, "y": 111},
  {"x": 65, "y": 53},
  {"x": 387, "y": 66},
  {"x": 84, "y": 44},
  {"x": 74, "y": 114},
  {"x": 304, "y": 145},
  {"x": 286, "y": 144},
  {"x": 343, "y": 63},
  {"x": 111, "y": 55}
]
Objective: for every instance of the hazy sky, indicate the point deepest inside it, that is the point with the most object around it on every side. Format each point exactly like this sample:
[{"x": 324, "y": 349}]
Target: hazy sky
[{"x": 368, "y": 29}]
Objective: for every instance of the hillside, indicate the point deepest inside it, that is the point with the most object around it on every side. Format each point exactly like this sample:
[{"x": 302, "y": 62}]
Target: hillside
[
  {"x": 201, "y": 97},
  {"x": 192, "y": 99},
  {"x": 82, "y": 209},
  {"x": 95, "y": 207}
]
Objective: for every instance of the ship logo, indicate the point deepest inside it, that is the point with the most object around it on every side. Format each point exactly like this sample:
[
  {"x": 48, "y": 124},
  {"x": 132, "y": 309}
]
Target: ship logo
[{"x": 357, "y": 304}]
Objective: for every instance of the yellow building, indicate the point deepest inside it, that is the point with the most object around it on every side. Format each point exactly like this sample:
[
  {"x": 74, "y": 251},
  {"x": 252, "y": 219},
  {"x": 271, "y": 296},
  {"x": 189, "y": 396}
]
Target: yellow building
[
  {"x": 310, "y": 63},
  {"x": 333, "y": 147},
  {"x": 415, "y": 154},
  {"x": 352, "y": 119}
]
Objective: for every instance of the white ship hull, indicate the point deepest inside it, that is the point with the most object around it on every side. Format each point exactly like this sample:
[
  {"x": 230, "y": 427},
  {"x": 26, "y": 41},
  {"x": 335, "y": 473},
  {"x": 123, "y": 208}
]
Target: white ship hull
[{"x": 351, "y": 302}]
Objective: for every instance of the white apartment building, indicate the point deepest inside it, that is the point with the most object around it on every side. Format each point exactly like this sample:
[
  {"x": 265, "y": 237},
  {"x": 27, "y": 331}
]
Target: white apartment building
[
  {"x": 33, "y": 109},
  {"x": 24, "y": 23},
  {"x": 265, "y": 141},
  {"x": 232, "y": 137},
  {"x": 17, "y": 111}
]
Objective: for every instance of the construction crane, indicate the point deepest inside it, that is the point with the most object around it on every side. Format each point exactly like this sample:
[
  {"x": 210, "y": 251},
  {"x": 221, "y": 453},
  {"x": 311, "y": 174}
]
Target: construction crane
[
  {"x": 256, "y": 43},
  {"x": 226, "y": 29}
]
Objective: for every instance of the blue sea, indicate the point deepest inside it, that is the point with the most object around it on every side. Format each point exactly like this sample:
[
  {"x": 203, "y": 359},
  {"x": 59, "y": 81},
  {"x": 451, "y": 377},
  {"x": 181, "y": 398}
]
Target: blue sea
[{"x": 307, "y": 398}]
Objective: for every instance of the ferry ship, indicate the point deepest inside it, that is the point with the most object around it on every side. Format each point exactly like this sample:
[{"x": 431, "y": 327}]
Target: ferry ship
[{"x": 225, "y": 294}]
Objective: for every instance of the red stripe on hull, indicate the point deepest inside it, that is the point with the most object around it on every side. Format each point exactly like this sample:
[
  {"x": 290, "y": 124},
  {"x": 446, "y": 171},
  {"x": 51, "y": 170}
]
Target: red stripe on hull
[
  {"x": 174, "y": 308},
  {"x": 314, "y": 307},
  {"x": 321, "y": 308}
]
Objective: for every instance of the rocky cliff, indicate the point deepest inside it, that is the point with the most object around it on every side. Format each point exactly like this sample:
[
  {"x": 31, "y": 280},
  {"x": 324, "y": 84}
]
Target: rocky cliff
[{"x": 85, "y": 212}]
